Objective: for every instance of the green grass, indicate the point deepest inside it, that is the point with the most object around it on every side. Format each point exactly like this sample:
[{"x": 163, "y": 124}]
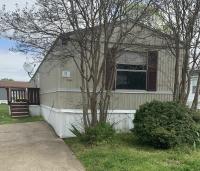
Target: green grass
[
  {"x": 5, "y": 118},
  {"x": 125, "y": 154}
]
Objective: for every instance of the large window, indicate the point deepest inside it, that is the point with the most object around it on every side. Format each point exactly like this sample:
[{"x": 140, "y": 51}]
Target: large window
[{"x": 132, "y": 71}]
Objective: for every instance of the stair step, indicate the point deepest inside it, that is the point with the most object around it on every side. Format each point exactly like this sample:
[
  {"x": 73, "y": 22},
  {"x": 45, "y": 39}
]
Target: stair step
[
  {"x": 19, "y": 103},
  {"x": 19, "y": 110},
  {"x": 25, "y": 104},
  {"x": 19, "y": 113},
  {"x": 19, "y": 107},
  {"x": 20, "y": 116}
]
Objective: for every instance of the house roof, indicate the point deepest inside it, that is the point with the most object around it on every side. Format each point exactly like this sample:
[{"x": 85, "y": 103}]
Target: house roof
[{"x": 14, "y": 84}]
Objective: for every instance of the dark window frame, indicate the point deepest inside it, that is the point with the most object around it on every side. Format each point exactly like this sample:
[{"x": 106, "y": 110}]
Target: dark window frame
[
  {"x": 145, "y": 70},
  {"x": 151, "y": 70}
]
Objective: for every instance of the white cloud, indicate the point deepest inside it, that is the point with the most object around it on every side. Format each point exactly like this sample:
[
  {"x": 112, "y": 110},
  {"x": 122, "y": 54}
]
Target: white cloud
[
  {"x": 11, "y": 65},
  {"x": 11, "y": 4}
]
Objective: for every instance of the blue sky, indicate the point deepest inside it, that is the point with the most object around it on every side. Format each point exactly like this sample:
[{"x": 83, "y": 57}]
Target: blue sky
[
  {"x": 11, "y": 64},
  {"x": 6, "y": 43}
]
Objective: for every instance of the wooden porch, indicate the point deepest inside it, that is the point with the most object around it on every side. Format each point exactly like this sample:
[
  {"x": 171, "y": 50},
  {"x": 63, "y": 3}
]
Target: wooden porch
[{"x": 19, "y": 100}]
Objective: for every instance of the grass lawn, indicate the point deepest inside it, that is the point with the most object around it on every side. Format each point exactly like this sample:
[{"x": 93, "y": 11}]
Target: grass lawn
[
  {"x": 5, "y": 118},
  {"x": 125, "y": 154}
]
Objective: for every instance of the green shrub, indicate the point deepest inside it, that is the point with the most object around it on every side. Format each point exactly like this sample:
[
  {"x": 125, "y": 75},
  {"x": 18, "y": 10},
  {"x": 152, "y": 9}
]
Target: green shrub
[
  {"x": 165, "y": 124},
  {"x": 102, "y": 132},
  {"x": 196, "y": 116}
]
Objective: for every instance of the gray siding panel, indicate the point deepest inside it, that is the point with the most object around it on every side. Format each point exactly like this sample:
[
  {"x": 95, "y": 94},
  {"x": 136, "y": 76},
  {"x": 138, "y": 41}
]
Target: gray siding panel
[{"x": 120, "y": 100}]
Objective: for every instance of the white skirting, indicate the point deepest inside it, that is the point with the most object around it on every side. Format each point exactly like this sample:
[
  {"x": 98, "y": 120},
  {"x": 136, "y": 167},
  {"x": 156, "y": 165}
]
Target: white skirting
[
  {"x": 34, "y": 110},
  {"x": 62, "y": 119}
]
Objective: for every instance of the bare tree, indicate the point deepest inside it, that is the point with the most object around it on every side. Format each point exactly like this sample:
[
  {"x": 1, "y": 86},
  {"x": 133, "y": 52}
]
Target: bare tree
[
  {"x": 95, "y": 31},
  {"x": 195, "y": 54},
  {"x": 179, "y": 19}
]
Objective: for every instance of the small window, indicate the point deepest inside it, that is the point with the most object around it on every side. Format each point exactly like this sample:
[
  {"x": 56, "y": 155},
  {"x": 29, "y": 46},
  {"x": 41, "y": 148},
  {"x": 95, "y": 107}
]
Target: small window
[{"x": 132, "y": 71}]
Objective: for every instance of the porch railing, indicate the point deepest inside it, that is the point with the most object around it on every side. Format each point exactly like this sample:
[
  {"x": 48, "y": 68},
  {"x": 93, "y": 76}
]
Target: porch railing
[
  {"x": 33, "y": 96},
  {"x": 29, "y": 95}
]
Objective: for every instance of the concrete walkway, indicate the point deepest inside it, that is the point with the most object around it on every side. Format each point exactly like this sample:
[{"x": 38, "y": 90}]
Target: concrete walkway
[{"x": 34, "y": 147}]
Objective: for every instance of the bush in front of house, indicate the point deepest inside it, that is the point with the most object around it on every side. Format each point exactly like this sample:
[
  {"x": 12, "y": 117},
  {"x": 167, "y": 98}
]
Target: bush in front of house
[
  {"x": 196, "y": 116},
  {"x": 101, "y": 133},
  {"x": 165, "y": 124}
]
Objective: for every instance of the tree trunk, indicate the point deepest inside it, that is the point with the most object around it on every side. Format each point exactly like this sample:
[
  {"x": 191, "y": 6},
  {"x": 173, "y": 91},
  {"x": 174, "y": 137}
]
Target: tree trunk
[
  {"x": 93, "y": 107},
  {"x": 85, "y": 110},
  {"x": 188, "y": 86},
  {"x": 183, "y": 99},
  {"x": 176, "y": 79}
]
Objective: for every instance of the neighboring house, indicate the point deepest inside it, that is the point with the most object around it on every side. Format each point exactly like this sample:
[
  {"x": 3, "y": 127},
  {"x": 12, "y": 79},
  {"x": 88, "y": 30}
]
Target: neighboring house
[
  {"x": 193, "y": 85},
  {"x": 3, "y": 96},
  {"x": 14, "y": 84},
  {"x": 59, "y": 82}
]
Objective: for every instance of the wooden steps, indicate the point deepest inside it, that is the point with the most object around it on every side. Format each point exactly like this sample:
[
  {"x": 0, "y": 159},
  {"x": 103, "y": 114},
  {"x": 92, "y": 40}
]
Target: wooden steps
[{"x": 19, "y": 109}]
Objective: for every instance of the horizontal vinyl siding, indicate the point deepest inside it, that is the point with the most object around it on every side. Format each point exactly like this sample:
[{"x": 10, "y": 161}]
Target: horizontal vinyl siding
[
  {"x": 49, "y": 99},
  {"x": 133, "y": 101},
  {"x": 120, "y": 101}
]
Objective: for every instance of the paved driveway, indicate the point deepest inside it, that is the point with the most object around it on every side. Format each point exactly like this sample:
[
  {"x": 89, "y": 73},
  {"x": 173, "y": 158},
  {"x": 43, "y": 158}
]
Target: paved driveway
[{"x": 34, "y": 147}]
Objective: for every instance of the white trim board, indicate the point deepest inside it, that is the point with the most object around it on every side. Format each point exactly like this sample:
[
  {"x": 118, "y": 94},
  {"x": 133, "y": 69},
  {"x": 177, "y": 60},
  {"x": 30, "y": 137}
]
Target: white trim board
[
  {"x": 114, "y": 92},
  {"x": 79, "y": 111}
]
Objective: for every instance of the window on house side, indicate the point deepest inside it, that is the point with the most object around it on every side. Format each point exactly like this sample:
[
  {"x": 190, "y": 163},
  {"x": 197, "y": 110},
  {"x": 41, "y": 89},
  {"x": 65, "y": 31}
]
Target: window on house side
[
  {"x": 131, "y": 79},
  {"x": 132, "y": 70},
  {"x": 137, "y": 70}
]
